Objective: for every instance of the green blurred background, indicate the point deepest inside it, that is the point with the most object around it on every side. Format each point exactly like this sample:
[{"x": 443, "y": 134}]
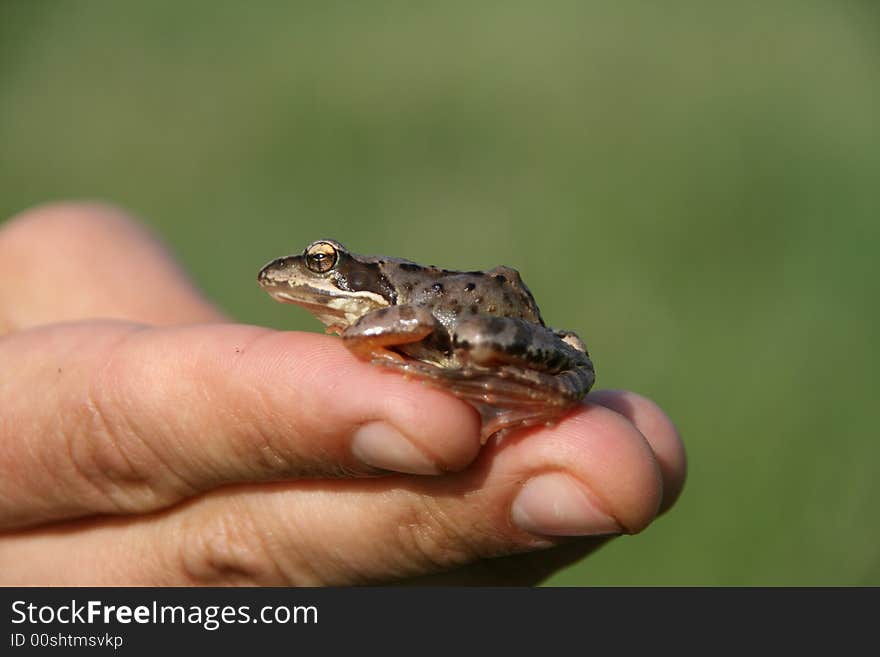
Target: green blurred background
[{"x": 694, "y": 187}]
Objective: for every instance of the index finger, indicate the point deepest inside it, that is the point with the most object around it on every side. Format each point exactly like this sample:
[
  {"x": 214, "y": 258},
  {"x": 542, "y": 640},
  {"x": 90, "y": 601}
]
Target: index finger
[{"x": 112, "y": 417}]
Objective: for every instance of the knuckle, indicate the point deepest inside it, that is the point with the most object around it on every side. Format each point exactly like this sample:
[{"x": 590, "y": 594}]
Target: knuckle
[
  {"x": 261, "y": 449},
  {"x": 226, "y": 547},
  {"x": 434, "y": 540},
  {"x": 100, "y": 454},
  {"x": 110, "y": 453}
]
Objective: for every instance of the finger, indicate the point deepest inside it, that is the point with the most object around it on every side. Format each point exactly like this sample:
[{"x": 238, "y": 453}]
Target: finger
[
  {"x": 532, "y": 568},
  {"x": 660, "y": 433},
  {"x": 513, "y": 500},
  {"x": 525, "y": 569},
  {"x": 71, "y": 261},
  {"x": 127, "y": 419}
]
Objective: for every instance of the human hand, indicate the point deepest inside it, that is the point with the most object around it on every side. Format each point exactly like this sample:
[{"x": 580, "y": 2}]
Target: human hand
[{"x": 146, "y": 441}]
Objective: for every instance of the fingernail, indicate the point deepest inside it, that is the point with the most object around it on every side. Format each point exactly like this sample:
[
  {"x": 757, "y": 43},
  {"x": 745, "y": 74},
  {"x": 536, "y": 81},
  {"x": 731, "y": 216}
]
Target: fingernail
[
  {"x": 382, "y": 446},
  {"x": 555, "y": 504}
]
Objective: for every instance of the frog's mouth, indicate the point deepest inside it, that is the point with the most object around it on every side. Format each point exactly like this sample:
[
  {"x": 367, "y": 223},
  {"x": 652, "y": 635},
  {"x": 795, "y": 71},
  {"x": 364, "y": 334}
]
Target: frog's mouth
[
  {"x": 317, "y": 302},
  {"x": 331, "y": 309},
  {"x": 307, "y": 297}
]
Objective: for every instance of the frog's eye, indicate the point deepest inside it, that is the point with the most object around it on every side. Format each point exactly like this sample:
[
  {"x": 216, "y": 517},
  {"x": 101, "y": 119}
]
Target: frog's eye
[{"x": 321, "y": 257}]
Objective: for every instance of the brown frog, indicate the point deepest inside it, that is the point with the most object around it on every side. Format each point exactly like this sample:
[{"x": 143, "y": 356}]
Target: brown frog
[{"x": 478, "y": 334}]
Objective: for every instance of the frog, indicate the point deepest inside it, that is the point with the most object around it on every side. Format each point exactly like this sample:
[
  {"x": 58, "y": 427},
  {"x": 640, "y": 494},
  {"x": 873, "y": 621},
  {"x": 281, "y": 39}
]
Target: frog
[{"x": 476, "y": 334}]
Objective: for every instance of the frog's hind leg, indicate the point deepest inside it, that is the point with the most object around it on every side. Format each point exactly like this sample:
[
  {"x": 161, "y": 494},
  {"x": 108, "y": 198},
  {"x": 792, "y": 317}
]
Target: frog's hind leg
[
  {"x": 514, "y": 399},
  {"x": 507, "y": 398},
  {"x": 501, "y": 421}
]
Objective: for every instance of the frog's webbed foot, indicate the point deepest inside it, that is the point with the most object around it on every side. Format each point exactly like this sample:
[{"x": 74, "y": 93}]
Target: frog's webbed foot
[{"x": 506, "y": 397}]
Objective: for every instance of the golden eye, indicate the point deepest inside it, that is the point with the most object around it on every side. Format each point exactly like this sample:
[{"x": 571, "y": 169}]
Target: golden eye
[{"x": 321, "y": 257}]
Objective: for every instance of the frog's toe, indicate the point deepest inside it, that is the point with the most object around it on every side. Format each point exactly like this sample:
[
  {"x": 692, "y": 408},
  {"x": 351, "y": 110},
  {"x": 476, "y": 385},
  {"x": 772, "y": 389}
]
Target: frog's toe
[{"x": 501, "y": 421}]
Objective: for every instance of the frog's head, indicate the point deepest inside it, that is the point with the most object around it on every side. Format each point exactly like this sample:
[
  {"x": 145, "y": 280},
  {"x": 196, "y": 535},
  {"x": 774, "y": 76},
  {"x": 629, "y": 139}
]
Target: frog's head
[{"x": 335, "y": 285}]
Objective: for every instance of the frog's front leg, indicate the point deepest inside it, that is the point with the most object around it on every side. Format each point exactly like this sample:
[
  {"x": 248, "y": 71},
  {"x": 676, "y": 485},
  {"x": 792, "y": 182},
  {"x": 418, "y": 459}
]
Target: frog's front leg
[{"x": 372, "y": 335}]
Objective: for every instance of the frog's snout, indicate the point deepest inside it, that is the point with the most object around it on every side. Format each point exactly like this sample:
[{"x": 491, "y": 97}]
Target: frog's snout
[{"x": 272, "y": 272}]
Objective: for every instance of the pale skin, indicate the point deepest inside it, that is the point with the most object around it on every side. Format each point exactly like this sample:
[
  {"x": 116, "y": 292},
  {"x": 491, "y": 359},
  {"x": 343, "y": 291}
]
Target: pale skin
[{"x": 146, "y": 440}]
